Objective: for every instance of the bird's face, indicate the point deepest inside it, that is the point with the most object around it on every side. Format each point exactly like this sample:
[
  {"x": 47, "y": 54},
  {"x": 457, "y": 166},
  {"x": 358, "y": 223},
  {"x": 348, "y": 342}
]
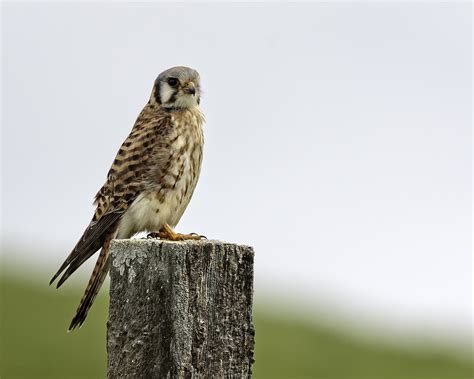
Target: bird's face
[{"x": 177, "y": 88}]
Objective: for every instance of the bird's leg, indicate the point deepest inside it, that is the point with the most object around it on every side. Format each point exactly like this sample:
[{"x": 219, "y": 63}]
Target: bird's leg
[{"x": 166, "y": 233}]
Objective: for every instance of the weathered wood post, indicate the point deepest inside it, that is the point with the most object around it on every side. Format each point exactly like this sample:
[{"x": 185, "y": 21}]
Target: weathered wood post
[{"x": 180, "y": 310}]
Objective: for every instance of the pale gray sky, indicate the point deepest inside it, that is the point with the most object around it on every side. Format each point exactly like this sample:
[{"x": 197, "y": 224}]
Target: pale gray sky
[{"x": 338, "y": 139}]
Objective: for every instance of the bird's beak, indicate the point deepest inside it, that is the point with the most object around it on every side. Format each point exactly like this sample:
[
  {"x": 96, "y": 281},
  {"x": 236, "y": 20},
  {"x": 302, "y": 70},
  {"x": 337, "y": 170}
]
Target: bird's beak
[{"x": 189, "y": 88}]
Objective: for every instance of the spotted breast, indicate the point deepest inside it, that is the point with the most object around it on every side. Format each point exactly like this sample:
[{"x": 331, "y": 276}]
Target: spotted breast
[{"x": 172, "y": 177}]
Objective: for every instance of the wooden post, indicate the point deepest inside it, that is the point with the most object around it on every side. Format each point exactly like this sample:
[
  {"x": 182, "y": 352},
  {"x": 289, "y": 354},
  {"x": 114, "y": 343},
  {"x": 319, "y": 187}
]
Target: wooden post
[{"x": 180, "y": 310}]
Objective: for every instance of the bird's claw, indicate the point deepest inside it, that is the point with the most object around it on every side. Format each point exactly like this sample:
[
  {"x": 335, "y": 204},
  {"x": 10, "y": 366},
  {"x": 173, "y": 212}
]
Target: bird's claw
[
  {"x": 152, "y": 235},
  {"x": 198, "y": 235}
]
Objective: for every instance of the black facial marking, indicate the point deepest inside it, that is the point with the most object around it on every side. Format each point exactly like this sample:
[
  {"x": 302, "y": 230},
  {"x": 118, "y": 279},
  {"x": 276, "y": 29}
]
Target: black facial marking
[
  {"x": 157, "y": 92},
  {"x": 173, "y": 98}
]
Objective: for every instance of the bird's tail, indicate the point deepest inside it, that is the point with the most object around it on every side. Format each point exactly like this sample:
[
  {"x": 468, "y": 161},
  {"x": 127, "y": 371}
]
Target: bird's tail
[{"x": 99, "y": 273}]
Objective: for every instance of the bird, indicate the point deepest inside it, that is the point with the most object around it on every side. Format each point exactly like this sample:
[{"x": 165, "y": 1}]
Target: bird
[{"x": 150, "y": 183}]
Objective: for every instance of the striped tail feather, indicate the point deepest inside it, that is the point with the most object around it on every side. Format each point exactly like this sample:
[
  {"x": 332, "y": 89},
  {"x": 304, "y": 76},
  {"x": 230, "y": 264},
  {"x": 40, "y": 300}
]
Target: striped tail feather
[{"x": 99, "y": 273}]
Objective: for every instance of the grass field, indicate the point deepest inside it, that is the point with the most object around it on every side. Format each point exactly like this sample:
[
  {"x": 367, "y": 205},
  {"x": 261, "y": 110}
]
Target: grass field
[{"x": 34, "y": 343}]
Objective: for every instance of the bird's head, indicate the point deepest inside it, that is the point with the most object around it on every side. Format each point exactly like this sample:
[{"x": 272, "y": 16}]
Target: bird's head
[{"x": 177, "y": 88}]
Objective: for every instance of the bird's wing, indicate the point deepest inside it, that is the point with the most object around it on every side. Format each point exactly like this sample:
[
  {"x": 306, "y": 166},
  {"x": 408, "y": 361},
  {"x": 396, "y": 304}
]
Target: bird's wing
[{"x": 125, "y": 181}]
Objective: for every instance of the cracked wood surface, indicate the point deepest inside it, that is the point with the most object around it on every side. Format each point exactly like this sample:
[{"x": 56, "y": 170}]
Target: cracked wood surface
[{"x": 180, "y": 310}]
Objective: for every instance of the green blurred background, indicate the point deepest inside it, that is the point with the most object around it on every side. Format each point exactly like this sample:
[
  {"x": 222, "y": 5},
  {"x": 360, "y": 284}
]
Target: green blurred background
[{"x": 35, "y": 344}]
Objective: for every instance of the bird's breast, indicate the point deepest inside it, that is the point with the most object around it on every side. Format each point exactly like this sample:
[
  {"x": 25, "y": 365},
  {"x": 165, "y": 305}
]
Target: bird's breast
[
  {"x": 181, "y": 168},
  {"x": 172, "y": 180}
]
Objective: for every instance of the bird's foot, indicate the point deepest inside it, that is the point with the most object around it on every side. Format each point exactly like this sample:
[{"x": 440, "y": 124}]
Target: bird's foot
[{"x": 167, "y": 233}]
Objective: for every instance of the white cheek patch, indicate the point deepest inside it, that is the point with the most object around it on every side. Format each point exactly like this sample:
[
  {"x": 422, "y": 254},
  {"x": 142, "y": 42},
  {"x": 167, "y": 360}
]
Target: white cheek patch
[{"x": 166, "y": 92}]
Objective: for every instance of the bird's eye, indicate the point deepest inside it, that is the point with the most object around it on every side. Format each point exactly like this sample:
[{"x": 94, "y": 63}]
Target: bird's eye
[{"x": 173, "y": 82}]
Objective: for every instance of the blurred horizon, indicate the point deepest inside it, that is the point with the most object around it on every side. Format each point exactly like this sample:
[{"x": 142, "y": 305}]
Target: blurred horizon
[
  {"x": 34, "y": 318},
  {"x": 359, "y": 323}
]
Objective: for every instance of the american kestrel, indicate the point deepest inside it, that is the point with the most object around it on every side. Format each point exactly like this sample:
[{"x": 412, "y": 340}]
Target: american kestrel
[{"x": 151, "y": 180}]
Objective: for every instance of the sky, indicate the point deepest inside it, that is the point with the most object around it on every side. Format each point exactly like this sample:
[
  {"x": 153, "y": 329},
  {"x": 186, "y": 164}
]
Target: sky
[{"x": 338, "y": 141}]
